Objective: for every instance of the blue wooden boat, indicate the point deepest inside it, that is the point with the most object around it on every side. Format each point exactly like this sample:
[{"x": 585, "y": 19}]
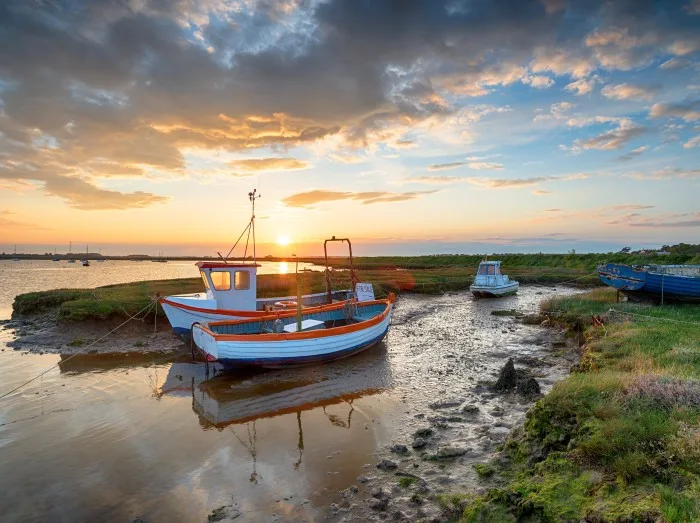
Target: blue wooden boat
[{"x": 657, "y": 283}]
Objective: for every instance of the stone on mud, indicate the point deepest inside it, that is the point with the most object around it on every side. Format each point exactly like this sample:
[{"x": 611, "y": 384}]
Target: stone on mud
[
  {"x": 378, "y": 504},
  {"x": 446, "y": 404},
  {"x": 450, "y": 452},
  {"x": 529, "y": 387},
  {"x": 399, "y": 449},
  {"x": 423, "y": 433},
  {"x": 386, "y": 464},
  {"x": 508, "y": 378},
  {"x": 470, "y": 409},
  {"x": 419, "y": 443}
]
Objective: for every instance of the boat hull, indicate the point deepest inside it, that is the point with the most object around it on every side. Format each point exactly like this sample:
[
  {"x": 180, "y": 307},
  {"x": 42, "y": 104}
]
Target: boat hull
[
  {"x": 275, "y": 351},
  {"x": 647, "y": 285},
  {"x": 483, "y": 291}
]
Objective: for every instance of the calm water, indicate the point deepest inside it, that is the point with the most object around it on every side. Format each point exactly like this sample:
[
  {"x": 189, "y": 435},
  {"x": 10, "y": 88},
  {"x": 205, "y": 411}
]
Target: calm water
[
  {"x": 115, "y": 438},
  {"x": 28, "y": 276}
]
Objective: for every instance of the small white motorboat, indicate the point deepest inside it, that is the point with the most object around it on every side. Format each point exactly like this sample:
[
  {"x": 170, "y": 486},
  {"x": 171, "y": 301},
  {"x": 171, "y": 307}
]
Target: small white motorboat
[{"x": 489, "y": 282}]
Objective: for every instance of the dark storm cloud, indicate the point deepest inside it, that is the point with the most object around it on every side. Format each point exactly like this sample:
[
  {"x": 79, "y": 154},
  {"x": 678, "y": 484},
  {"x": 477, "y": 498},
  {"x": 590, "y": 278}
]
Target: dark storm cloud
[{"x": 135, "y": 82}]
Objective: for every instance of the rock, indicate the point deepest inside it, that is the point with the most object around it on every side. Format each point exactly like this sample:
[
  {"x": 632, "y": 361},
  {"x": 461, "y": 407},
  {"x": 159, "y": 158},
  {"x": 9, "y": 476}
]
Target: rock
[
  {"x": 335, "y": 508},
  {"x": 362, "y": 479},
  {"x": 529, "y": 387},
  {"x": 470, "y": 409},
  {"x": 419, "y": 443},
  {"x": 386, "y": 464},
  {"x": 497, "y": 411},
  {"x": 445, "y": 404},
  {"x": 507, "y": 379},
  {"x": 416, "y": 500},
  {"x": 399, "y": 449},
  {"x": 378, "y": 504},
  {"x": 423, "y": 433},
  {"x": 450, "y": 452},
  {"x": 379, "y": 493}
]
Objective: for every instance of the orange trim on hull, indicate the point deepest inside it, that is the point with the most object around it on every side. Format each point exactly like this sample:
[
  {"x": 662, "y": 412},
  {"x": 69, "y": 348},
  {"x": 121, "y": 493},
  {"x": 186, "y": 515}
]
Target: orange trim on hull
[
  {"x": 254, "y": 315},
  {"x": 334, "y": 331}
]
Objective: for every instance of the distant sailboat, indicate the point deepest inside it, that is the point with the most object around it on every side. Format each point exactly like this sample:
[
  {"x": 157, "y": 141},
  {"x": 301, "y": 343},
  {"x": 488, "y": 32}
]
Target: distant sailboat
[
  {"x": 55, "y": 256},
  {"x": 15, "y": 258},
  {"x": 160, "y": 259},
  {"x": 70, "y": 253},
  {"x": 85, "y": 262}
]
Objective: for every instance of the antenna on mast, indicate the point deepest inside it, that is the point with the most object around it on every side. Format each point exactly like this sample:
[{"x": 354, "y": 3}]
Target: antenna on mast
[{"x": 253, "y": 196}]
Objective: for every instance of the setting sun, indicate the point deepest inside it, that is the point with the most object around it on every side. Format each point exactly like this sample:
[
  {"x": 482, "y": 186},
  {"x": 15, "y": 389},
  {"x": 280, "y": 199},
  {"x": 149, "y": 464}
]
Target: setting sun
[{"x": 283, "y": 240}]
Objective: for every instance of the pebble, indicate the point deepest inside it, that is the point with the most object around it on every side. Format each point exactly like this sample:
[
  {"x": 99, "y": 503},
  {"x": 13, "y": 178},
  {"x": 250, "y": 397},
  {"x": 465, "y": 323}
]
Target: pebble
[
  {"x": 419, "y": 443},
  {"x": 386, "y": 464}
]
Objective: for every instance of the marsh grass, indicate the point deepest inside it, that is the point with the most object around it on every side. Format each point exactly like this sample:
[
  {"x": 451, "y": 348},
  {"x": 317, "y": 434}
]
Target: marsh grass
[{"x": 630, "y": 418}]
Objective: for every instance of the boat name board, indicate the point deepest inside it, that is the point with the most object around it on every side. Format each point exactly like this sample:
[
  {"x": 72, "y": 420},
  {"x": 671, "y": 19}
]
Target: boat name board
[{"x": 364, "y": 292}]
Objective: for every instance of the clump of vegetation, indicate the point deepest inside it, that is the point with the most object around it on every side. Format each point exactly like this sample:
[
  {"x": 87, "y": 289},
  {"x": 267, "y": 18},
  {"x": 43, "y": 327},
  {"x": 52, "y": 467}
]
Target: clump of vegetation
[
  {"x": 77, "y": 342},
  {"x": 506, "y": 312},
  {"x": 484, "y": 469},
  {"x": 618, "y": 440},
  {"x": 406, "y": 481}
]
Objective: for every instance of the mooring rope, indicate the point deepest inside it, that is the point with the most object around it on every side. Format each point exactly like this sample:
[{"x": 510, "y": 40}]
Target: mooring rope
[{"x": 135, "y": 316}]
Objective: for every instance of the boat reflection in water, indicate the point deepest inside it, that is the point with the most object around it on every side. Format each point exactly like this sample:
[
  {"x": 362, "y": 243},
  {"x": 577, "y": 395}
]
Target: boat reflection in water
[{"x": 237, "y": 401}]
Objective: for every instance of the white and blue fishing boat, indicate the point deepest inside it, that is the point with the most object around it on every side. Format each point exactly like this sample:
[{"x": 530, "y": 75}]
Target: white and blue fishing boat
[
  {"x": 489, "y": 282},
  {"x": 315, "y": 336},
  {"x": 657, "y": 283}
]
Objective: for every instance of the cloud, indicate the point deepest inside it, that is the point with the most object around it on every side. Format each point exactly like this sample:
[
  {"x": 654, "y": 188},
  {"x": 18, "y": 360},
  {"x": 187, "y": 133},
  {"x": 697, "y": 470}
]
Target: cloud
[
  {"x": 656, "y": 224},
  {"x": 511, "y": 183},
  {"x": 634, "y": 153},
  {"x": 613, "y": 139},
  {"x": 688, "y": 111},
  {"x": 557, "y": 111},
  {"x": 693, "y": 142},
  {"x": 82, "y": 195},
  {"x": 445, "y": 166},
  {"x": 490, "y": 166},
  {"x": 629, "y": 92},
  {"x": 139, "y": 83},
  {"x": 540, "y": 192},
  {"x": 693, "y": 7},
  {"x": 629, "y": 207},
  {"x": 255, "y": 165},
  {"x": 583, "y": 85},
  {"x": 665, "y": 174},
  {"x": 310, "y": 198},
  {"x": 538, "y": 81},
  {"x": 674, "y": 63}
]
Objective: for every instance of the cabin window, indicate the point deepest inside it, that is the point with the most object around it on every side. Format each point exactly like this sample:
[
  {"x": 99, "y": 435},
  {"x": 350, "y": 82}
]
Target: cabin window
[
  {"x": 204, "y": 278},
  {"x": 487, "y": 270},
  {"x": 241, "y": 281},
  {"x": 221, "y": 280}
]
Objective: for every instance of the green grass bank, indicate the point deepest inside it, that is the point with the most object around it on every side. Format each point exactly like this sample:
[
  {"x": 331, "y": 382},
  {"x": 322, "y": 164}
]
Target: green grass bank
[
  {"x": 619, "y": 439},
  {"x": 425, "y": 274}
]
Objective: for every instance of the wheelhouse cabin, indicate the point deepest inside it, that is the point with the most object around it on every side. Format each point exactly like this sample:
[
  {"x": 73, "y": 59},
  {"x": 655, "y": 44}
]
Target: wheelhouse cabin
[{"x": 230, "y": 286}]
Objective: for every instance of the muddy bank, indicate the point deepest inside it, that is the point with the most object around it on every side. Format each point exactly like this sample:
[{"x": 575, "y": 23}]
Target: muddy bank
[
  {"x": 42, "y": 333},
  {"x": 454, "y": 421}
]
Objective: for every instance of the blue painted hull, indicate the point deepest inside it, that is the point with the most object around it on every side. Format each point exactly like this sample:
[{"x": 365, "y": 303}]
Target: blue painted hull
[
  {"x": 650, "y": 284},
  {"x": 281, "y": 363}
]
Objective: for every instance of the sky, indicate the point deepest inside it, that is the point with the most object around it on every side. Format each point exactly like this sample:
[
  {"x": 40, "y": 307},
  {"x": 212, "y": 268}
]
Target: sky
[{"x": 412, "y": 127}]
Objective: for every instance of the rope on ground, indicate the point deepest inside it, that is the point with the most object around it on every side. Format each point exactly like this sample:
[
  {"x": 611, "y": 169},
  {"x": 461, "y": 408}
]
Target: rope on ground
[
  {"x": 135, "y": 316},
  {"x": 654, "y": 317}
]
